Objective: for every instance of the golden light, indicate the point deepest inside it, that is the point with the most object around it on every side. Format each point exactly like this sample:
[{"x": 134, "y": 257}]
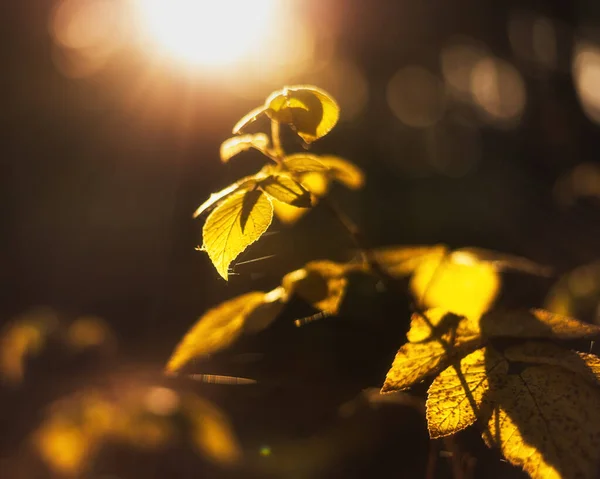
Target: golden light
[
  {"x": 534, "y": 38},
  {"x": 586, "y": 73},
  {"x": 207, "y": 32},
  {"x": 458, "y": 60},
  {"x": 416, "y": 97},
  {"x": 86, "y": 33},
  {"x": 499, "y": 90}
]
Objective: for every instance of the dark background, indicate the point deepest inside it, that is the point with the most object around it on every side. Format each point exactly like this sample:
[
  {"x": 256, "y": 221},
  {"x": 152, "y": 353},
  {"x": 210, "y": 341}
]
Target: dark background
[{"x": 99, "y": 180}]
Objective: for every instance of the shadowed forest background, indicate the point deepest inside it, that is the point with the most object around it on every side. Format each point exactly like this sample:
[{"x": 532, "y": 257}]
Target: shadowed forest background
[{"x": 476, "y": 124}]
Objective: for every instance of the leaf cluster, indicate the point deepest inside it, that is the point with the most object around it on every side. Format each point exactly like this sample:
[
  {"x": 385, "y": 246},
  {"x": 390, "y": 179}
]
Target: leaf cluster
[
  {"x": 536, "y": 400},
  {"x": 243, "y": 211},
  {"x": 322, "y": 284}
]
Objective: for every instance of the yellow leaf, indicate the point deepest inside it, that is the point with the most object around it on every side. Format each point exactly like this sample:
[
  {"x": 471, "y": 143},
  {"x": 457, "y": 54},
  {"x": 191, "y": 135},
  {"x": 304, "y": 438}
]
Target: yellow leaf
[
  {"x": 221, "y": 326},
  {"x": 343, "y": 171},
  {"x": 63, "y": 446},
  {"x": 415, "y": 361},
  {"x": 22, "y": 339},
  {"x": 577, "y": 292},
  {"x": 534, "y": 352},
  {"x": 314, "y": 182},
  {"x": 211, "y": 431},
  {"x": 593, "y": 363},
  {"x": 547, "y": 421},
  {"x": 435, "y": 341},
  {"x": 447, "y": 325},
  {"x": 455, "y": 401},
  {"x": 458, "y": 283},
  {"x": 234, "y": 225},
  {"x": 320, "y": 283},
  {"x": 399, "y": 261},
  {"x": 248, "y": 118},
  {"x": 243, "y": 184},
  {"x": 536, "y": 323},
  {"x": 310, "y": 111},
  {"x": 286, "y": 190},
  {"x": 88, "y": 331},
  {"x": 303, "y": 163},
  {"x": 237, "y": 144},
  {"x": 506, "y": 262}
]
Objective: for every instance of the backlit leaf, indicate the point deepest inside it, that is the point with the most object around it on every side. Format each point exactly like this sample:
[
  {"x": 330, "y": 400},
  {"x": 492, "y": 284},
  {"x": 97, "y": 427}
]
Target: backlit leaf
[
  {"x": 415, "y": 361},
  {"x": 444, "y": 324},
  {"x": 286, "y": 190},
  {"x": 63, "y": 446},
  {"x": 458, "y": 283},
  {"x": 434, "y": 343},
  {"x": 243, "y": 184},
  {"x": 577, "y": 293},
  {"x": 593, "y": 363},
  {"x": 536, "y": 323},
  {"x": 248, "y": 118},
  {"x": 547, "y": 420},
  {"x": 303, "y": 163},
  {"x": 237, "y": 144},
  {"x": 506, "y": 262},
  {"x": 399, "y": 261},
  {"x": 22, "y": 339},
  {"x": 343, "y": 171},
  {"x": 537, "y": 352},
  {"x": 320, "y": 283},
  {"x": 234, "y": 225},
  {"x": 314, "y": 182},
  {"x": 211, "y": 431},
  {"x": 221, "y": 326},
  {"x": 310, "y": 111},
  {"x": 455, "y": 401}
]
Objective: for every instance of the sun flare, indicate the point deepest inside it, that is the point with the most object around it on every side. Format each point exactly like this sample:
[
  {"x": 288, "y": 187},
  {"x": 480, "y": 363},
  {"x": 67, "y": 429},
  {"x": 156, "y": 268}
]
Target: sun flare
[{"x": 207, "y": 32}]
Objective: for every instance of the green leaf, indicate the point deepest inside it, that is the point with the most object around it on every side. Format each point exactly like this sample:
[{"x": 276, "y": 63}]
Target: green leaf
[
  {"x": 234, "y": 225},
  {"x": 449, "y": 407},
  {"x": 304, "y": 163},
  {"x": 536, "y": 323},
  {"x": 237, "y": 144},
  {"x": 547, "y": 421},
  {"x": 221, "y": 326},
  {"x": 248, "y": 118},
  {"x": 310, "y": 111},
  {"x": 286, "y": 190},
  {"x": 243, "y": 184}
]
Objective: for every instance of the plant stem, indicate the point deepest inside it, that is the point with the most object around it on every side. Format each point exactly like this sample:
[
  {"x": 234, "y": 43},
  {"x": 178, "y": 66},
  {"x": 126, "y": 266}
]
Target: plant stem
[
  {"x": 276, "y": 139},
  {"x": 357, "y": 238}
]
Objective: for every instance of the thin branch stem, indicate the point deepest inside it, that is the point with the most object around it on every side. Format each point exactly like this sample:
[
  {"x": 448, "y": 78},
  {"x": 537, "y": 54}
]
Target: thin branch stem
[
  {"x": 357, "y": 238},
  {"x": 276, "y": 139}
]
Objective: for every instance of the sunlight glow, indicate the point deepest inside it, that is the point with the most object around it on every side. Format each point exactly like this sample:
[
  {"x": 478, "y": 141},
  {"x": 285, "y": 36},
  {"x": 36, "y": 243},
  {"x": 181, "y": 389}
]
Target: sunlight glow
[{"x": 207, "y": 32}]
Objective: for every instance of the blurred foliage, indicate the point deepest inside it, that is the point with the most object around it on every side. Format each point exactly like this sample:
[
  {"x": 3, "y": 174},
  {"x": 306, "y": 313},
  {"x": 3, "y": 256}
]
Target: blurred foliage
[{"x": 125, "y": 410}]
